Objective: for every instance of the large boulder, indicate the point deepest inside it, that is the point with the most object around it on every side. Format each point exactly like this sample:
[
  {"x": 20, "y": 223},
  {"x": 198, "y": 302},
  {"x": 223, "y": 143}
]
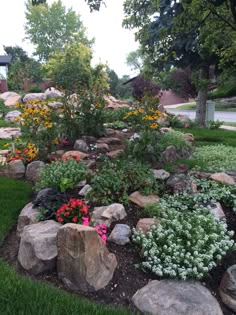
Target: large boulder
[
  {"x": 108, "y": 214},
  {"x": 10, "y": 98},
  {"x": 171, "y": 297},
  {"x": 228, "y": 287},
  {"x": 38, "y": 247},
  {"x": 16, "y": 169},
  {"x": 8, "y": 132},
  {"x": 34, "y": 96},
  {"x": 12, "y": 116},
  {"x": 28, "y": 215},
  {"x": 84, "y": 262},
  {"x": 170, "y": 154},
  {"x": 33, "y": 170},
  {"x": 223, "y": 178},
  {"x": 141, "y": 200}
]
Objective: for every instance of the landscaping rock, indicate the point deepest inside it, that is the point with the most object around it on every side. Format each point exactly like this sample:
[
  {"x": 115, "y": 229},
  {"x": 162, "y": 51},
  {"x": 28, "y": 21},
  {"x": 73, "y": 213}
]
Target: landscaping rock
[
  {"x": 145, "y": 224},
  {"x": 90, "y": 163},
  {"x": 81, "y": 145},
  {"x": 84, "y": 262},
  {"x": 76, "y": 154},
  {"x": 43, "y": 194},
  {"x": 11, "y": 116},
  {"x": 27, "y": 216},
  {"x": 33, "y": 170},
  {"x": 52, "y": 92},
  {"x": 189, "y": 137},
  {"x": 81, "y": 184},
  {"x": 228, "y": 287},
  {"x": 34, "y": 96},
  {"x": 86, "y": 189},
  {"x": 163, "y": 121},
  {"x": 171, "y": 297},
  {"x": 112, "y": 132},
  {"x": 161, "y": 174},
  {"x": 4, "y": 152},
  {"x": 38, "y": 247},
  {"x": 141, "y": 200},
  {"x": 115, "y": 153},
  {"x": 109, "y": 141},
  {"x": 184, "y": 119},
  {"x": 102, "y": 148},
  {"x": 55, "y": 105},
  {"x": 164, "y": 130},
  {"x": 16, "y": 169},
  {"x": 180, "y": 182},
  {"x": 170, "y": 154},
  {"x": 223, "y": 178},
  {"x": 217, "y": 210},
  {"x": 89, "y": 139},
  {"x": 181, "y": 168},
  {"x": 108, "y": 214},
  {"x": 10, "y": 98},
  {"x": 184, "y": 153},
  {"x": 8, "y": 132},
  {"x": 120, "y": 234}
]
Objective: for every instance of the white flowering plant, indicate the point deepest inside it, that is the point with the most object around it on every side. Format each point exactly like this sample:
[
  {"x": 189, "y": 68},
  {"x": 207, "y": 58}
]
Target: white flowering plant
[{"x": 184, "y": 245}]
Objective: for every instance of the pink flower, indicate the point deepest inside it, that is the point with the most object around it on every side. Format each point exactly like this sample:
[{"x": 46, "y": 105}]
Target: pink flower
[
  {"x": 60, "y": 220},
  {"x": 75, "y": 219},
  {"x": 85, "y": 221},
  {"x": 104, "y": 238}
]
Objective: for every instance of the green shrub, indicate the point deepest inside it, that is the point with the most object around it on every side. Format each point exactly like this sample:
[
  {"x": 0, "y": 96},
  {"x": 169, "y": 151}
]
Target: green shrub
[
  {"x": 176, "y": 139},
  {"x": 115, "y": 115},
  {"x": 117, "y": 179},
  {"x": 214, "y": 124},
  {"x": 215, "y": 158},
  {"x": 62, "y": 175},
  {"x": 184, "y": 245},
  {"x": 35, "y": 89}
]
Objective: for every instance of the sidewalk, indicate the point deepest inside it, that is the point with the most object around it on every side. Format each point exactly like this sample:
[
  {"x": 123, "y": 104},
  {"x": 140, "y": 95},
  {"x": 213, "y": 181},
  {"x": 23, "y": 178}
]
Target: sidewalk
[{"x": 228, "y": 127}]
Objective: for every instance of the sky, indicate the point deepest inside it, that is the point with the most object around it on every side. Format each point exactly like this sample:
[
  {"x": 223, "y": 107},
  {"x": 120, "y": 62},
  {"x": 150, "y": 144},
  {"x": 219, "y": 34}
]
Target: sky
[{"x": 112, "y": 42}]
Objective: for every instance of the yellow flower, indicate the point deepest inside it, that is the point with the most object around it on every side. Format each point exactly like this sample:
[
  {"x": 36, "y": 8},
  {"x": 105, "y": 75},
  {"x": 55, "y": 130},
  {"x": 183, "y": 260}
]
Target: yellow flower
[
  {"x": 153, "y": 126},
  {"x": 55, "y": 141},
  {"x": 47, "y": 124},
  {"x": 6, "y": 145}
]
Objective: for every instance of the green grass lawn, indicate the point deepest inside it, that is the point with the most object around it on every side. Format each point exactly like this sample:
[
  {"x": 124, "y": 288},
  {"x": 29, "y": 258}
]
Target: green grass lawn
[
  {"x": 22, "y": 296},
  {"x": 208, "y": 136}
]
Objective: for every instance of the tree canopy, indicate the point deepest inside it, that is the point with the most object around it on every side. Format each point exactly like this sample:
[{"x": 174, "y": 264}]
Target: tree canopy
[{"x": 51, "y": 27}]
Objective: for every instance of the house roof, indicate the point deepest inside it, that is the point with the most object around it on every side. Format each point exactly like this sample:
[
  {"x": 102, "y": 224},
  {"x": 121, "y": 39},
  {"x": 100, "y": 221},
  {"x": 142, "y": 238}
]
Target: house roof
[{"x": 5, "y": 60}]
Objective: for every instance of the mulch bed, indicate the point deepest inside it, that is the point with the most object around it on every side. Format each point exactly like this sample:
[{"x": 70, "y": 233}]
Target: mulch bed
[{"x": 127, "y": 278}]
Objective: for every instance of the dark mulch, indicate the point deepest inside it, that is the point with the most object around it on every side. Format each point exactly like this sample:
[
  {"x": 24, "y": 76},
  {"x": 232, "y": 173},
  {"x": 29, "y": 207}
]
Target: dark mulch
[{"x": 127, "y": 278}]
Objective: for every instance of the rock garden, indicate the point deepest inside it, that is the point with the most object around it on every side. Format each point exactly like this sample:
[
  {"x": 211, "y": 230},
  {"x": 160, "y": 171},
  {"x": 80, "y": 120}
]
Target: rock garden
[{"x": 125, "y": 209}]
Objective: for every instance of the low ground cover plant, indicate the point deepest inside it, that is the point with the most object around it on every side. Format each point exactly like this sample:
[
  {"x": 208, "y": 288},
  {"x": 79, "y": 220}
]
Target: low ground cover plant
[
  {"x": 117, "y": 179},
  {"x": 184, "y": 245},
  {"x": 62, "y": 175},
  {"x": 215, "y": 158}
]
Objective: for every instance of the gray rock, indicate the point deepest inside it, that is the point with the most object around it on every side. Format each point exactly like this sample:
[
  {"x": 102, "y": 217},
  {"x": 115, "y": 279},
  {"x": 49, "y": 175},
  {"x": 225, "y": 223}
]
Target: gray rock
[
  {"x": 33, "y": 170},
  {"x": 11, "y": 116},
  {"x": 108, "y": 214},
  {"x": 81, "y": 145},
  {"x": 228, "y": 287},
  {"x": 43, "y": 194},
  {"x": 84, "y": 262},
  {"x": 217, "y": 210},
  {"x": 27, "y": 216},
  {"x": 16, "y": 169},
  {"x": 109, "y": 141},
  {"x": 180, "y": 182},
  {"x": 85, "y": 190},
  {"x": 120, "y": 234},
  {"x": 170, "y": 154},
  {"x": 171, "y": 297},
  {"x": 38, "y": 247},
  {"x": 34, "y": 96},
  {"x": 56, "y": 105},
  {"x": 161, "y": 174}
]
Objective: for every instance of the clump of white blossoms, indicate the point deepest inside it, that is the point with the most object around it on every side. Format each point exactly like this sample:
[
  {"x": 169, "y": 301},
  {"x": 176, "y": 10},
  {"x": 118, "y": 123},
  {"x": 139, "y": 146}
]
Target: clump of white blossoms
[{"x": 185, "y": 245}]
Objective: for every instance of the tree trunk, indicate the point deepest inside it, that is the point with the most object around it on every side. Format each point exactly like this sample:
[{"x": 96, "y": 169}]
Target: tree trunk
[{"x": 202, "y": 97}]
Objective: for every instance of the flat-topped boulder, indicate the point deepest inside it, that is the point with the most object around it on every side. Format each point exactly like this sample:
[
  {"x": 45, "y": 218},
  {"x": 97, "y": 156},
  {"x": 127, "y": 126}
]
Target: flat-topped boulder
[
  {"x": 34, "y": 96},
  {"x": 108, "y": 214},
  {"x": 12, "y": 116},
  {"x": 10, "y": 98},
  {"x": 9, "y": 132},
  {"x": 142, "y": 200},
  {"x": 76, "y": 154}
]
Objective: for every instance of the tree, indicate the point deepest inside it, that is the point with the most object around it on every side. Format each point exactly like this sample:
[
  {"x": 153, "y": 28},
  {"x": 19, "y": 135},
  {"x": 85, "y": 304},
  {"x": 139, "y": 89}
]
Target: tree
[
  {"x": 51, "y": 27},
  {"x": 22, "y": 68},
  {"x": 134, "y": 60},
  {"x": 113, "y": 82},
  {"x": 183, "y": 34}
]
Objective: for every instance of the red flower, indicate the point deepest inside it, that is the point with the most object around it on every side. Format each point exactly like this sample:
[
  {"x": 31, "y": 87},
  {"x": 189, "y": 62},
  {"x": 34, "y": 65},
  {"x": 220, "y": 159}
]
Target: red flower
[{"x": 75, "y": 219}]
